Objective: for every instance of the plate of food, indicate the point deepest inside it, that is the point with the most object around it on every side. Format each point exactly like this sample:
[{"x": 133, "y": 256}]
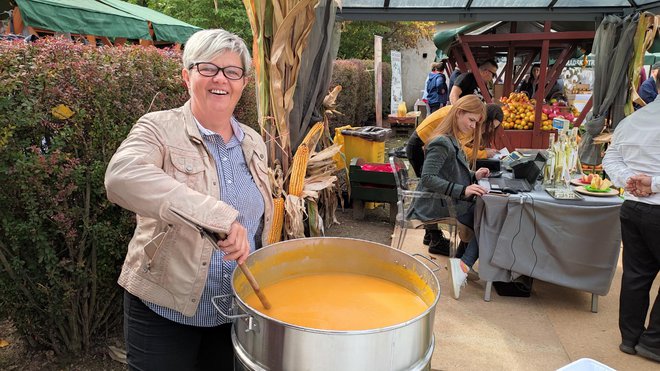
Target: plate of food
[
  {"x": 585, "y": 179},
  {"x": 598, "y": 192}
]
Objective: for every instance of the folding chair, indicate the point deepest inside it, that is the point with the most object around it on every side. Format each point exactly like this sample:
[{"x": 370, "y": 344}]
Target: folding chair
[{"x": 407, "y": 194}]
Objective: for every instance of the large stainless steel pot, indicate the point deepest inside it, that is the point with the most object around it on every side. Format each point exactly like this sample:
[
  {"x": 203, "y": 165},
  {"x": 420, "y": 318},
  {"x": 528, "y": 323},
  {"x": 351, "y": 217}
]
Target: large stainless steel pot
[{"x": 264, "y": 343}]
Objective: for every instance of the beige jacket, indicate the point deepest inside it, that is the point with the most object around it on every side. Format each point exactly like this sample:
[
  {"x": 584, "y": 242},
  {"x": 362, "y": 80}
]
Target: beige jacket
[{"x": 164, "y": 173}]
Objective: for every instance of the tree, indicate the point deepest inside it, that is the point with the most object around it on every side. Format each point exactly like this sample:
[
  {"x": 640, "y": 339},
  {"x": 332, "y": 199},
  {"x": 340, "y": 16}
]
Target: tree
[
  {"x": 357, "y": 37},
  {"x": 230, "y": 14}
]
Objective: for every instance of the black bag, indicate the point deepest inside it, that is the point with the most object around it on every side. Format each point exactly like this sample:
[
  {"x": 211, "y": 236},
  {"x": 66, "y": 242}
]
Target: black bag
[{"x": 520, "y": 287}]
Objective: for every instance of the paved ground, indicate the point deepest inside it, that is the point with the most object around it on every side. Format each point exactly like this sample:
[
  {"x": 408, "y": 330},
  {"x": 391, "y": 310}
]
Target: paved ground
[{"x": 546, "y": 331}]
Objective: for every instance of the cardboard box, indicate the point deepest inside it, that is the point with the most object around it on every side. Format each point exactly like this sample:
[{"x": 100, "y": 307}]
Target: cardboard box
[{"x": 581, "y": 101}]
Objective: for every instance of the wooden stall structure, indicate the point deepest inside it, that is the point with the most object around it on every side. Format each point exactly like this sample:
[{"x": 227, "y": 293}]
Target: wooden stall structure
[{"x": 467, "y": 50}]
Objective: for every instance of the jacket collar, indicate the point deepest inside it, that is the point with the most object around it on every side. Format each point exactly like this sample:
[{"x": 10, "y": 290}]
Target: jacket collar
[
  {"x": 460, "y": 154},
  {"x": 191, "y": 126},
  {"x": 249, "y": 144}
]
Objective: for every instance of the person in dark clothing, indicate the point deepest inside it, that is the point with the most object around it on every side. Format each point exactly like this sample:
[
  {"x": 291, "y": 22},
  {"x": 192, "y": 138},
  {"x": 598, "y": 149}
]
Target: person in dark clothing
[
  {"x": 452, "y": 78},
  {"x": 647, "y": 90},
  {"x": 466, "y": 83},
  {"x": 436, "y": 87},
  {"x": 528, "y": 85}
]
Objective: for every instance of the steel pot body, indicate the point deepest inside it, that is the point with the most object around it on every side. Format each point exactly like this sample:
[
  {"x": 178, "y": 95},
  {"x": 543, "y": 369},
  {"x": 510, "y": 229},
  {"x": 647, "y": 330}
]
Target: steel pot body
[{"x": 264, "y": 343}]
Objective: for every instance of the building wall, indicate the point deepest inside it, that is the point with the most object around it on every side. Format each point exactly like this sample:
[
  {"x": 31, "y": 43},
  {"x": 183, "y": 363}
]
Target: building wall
[{"x": 415, "y": 66}]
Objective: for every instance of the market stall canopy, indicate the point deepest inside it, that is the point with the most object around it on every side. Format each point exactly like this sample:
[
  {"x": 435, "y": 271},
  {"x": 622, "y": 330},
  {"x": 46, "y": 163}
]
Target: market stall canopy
[
  {"x": 490, "y": 10},
  {"x": 109, "y": 18}
]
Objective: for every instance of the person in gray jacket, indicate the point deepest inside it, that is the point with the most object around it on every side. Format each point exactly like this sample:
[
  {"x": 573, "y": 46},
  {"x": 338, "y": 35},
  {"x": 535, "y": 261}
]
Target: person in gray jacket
[
  {"x": 446, "y": 171},
  {"x": 181, "y": 171}
]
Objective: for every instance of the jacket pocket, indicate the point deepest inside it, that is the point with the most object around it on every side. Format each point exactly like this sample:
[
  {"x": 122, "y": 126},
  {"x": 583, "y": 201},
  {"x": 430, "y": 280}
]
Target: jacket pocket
[
  {"x": 155, "y": 253},
  {"x": 188, "y": 168}
]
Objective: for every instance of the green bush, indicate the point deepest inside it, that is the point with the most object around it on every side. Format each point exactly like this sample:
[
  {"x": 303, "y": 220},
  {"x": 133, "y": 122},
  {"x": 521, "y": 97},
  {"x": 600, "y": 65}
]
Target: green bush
[
  {"x": 61, "y": 242},
  {"x": 356, "y": 100}
]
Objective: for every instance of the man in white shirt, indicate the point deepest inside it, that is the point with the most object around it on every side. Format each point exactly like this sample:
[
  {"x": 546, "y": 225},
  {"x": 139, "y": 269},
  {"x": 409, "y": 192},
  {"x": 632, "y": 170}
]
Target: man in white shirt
[{"x": 633, "y": 161}]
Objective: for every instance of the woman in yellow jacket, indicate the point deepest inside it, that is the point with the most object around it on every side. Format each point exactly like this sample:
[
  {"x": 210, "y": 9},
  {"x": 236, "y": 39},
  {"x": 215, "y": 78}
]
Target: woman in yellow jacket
[{"x": 422, "y": 135}]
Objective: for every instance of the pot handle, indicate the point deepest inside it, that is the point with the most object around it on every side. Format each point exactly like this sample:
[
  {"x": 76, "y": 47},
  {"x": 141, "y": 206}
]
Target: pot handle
[
  {"x": 217, "y": 307},
  {"x": 437, "y": 267}
]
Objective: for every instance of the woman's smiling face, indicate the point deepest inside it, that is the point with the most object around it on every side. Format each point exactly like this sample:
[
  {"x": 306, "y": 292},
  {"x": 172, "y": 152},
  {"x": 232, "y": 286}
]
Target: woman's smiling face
[{"x": 216, "y": 94}]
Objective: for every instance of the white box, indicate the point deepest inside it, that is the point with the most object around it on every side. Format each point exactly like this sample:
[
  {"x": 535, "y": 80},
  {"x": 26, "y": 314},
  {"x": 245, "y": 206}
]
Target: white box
[
  {"x": 559, "y": 123},
  {"x": 586, "y": 364},
  {"x": 581, "y": 101}
]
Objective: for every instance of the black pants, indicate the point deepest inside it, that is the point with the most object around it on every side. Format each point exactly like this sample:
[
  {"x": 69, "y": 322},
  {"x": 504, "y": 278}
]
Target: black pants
[
  {"x": 640, "y": 227},
  {"x": 156, "y": 343},
  {"x": 415, "y": 153}
]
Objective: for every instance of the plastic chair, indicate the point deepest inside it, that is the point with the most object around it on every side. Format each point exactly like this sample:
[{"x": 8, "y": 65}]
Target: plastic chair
[{"x": 406, "y": 194}]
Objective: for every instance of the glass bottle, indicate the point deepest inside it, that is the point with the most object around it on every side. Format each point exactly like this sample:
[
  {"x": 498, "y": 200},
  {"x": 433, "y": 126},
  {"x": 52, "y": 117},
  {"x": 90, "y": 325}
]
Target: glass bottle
[{"x": 549, "y": 169}]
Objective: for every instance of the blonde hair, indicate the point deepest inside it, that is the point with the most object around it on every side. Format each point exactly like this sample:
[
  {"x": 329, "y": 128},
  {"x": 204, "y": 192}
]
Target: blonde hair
[{"x": 449, "y": 126}]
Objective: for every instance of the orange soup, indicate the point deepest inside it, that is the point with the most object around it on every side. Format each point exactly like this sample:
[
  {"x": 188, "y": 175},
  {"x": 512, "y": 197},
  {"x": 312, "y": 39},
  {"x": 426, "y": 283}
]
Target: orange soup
[{"x": 339, "y": 301}]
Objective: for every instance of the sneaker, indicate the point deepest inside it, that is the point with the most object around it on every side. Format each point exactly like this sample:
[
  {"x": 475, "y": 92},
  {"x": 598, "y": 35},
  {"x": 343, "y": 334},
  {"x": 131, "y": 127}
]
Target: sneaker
[
  {"x": 627, "y": 349},
  {"x": 647, "y": 352},
  {"x": 440, "y": 246},
  {"x": 457, "y": 276}
]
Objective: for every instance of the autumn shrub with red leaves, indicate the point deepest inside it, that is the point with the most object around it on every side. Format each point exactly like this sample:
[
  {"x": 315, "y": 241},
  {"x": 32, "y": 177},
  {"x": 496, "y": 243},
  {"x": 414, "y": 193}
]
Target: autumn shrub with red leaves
[{"x": 64, "y": 109}]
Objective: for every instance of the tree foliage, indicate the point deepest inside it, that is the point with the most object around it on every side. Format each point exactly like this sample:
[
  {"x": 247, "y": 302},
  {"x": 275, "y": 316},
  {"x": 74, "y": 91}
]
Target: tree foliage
[
  {"x": 230, "y": 16},
  {"x": 357, "y": 37}
]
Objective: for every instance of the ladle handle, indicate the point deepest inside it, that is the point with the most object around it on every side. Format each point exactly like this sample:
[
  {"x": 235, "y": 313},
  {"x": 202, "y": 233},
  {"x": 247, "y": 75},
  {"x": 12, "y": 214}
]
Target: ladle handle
[{"x": 255, "y": 286}]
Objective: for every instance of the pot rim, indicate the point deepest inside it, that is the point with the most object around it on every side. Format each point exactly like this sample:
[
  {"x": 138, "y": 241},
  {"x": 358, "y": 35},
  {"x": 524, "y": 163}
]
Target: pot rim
[{"x": 254, "y": 312}]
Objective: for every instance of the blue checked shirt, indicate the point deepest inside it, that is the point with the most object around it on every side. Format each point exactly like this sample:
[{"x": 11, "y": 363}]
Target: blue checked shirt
[{"x": 238, "y": 189}]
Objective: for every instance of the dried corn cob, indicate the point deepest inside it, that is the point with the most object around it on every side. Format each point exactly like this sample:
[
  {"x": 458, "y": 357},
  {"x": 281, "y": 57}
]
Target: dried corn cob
[
  {"x": 298, "y": 169},
  {"x": 278, "y": 220}
]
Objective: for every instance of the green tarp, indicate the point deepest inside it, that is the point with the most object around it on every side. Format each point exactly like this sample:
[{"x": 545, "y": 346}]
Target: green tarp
[
  {"x": 111, "y": 18},
  {"x": 165, "y": 27}
]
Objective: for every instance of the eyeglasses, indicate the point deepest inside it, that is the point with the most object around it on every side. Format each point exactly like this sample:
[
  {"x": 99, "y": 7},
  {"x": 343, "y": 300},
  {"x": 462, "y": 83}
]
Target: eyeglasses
[
  {"x": 493, "y": 74},
  {"x": 209, "y": 70}
]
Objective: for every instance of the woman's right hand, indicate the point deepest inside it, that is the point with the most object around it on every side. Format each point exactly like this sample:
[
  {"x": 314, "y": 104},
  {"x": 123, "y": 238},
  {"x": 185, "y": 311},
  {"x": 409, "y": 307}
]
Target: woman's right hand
[
  {"x": 236, "y": 246},
  {"x": 475, "y": 190},
  {"x": 491, "y": 152}
]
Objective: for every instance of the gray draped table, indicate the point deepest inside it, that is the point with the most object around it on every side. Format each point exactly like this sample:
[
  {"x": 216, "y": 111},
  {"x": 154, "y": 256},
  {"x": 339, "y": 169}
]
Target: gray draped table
[{"x": 572, "y": 243}]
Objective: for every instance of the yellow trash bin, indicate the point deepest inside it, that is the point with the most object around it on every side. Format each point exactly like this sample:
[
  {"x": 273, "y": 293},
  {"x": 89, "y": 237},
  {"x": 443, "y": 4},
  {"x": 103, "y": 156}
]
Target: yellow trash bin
[{"x": 367, "y": 142}]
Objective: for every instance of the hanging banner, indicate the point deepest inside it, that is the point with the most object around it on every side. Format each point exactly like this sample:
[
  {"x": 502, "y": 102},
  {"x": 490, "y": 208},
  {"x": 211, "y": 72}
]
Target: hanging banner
[{"x": 397, "y": 93}]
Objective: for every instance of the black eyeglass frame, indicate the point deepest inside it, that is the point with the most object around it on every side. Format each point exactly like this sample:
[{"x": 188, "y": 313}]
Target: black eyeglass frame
[{"x": 218, "y": 71}]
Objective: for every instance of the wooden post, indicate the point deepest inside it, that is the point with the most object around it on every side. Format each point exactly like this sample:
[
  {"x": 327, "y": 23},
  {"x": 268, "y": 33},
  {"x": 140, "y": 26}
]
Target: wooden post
[
  {"x": 537, "y": 134},
  {"x": 378, "y": 78},
  {"x": 475, "y": 71},
  {"x": 510, "y": 59},
  {"x": 17, "y": 21}
]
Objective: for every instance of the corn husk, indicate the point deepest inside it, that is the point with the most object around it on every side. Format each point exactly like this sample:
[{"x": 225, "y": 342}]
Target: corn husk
[{"x": 294, "y": 217}]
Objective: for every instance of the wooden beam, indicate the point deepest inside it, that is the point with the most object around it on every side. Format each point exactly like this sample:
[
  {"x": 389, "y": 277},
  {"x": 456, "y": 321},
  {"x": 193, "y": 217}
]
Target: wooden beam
[
  {"x": 585, "y": 110},
  {"x": 17, "y": 21},
  {"x": 510, "y": 60},
  {"x": 475, "y": 71},
  {"x": 120, "y": 40},
  {"x": 533, "y": 36},
  {"x": 526, "y": 65},
  {"x": 460, "y": 59},
  {"x": 559, "y": 65},
  {"x": 537, "y": 134}
]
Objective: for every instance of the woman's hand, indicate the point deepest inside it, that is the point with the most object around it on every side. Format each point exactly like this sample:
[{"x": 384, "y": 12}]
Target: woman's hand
[
  {"x": 475, "y": 190},
  {"x": 491, "y": 152},
  {"x": 483, "y": 172},
  {"x": 236, "y": 245}
]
